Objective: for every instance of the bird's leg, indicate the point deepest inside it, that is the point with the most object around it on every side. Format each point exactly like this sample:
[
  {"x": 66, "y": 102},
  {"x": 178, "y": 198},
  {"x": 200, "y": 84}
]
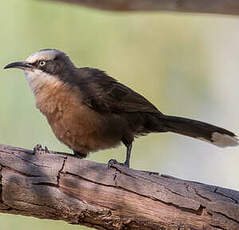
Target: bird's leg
[
  {"x": 79, "y": 154},
  {"x": 128, "y": 154}
]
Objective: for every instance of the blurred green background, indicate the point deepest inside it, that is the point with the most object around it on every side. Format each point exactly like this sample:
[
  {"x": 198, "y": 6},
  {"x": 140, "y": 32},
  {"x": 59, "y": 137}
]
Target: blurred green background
[{"x": 187, "y": 65}]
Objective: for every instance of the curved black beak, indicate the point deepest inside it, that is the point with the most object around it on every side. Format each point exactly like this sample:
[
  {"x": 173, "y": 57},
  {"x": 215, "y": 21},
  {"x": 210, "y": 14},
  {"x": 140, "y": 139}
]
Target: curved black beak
[{"x": 19, "y": 65}]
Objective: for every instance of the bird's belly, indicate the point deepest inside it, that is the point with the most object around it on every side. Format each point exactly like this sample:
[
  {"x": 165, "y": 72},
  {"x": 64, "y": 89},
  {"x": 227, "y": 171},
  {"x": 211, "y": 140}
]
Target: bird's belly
[{"x": 81, "y": 130}]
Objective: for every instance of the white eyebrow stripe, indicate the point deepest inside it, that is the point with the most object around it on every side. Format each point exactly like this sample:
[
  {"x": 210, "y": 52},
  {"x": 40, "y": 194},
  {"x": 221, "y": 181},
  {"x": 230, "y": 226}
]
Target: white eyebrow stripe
[{"x": 42, "y": 55}]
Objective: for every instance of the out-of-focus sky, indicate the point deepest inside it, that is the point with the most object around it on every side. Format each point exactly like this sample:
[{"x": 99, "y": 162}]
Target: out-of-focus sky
[{"x": 186, "y": 64}]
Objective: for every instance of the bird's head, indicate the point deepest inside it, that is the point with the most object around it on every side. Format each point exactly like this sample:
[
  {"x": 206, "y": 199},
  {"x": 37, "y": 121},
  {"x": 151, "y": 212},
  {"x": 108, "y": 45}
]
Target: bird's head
[{"x": 45, "y": 66}]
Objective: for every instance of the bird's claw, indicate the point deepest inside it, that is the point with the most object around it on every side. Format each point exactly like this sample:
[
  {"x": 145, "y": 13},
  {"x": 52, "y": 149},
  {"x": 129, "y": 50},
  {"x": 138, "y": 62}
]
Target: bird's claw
[
  {"x": 38, "y": 149},
  {"x": 113, "y": 162}
]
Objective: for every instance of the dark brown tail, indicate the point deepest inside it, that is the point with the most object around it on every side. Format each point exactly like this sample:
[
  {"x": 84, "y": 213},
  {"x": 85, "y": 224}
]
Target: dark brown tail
[{"x": 200, "y": 130}]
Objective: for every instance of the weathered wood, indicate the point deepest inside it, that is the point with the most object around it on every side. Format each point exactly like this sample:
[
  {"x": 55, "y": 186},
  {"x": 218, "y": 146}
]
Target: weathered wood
[
  {"x": 193, "y": 6},
  {"x": 61, "y": 187}
]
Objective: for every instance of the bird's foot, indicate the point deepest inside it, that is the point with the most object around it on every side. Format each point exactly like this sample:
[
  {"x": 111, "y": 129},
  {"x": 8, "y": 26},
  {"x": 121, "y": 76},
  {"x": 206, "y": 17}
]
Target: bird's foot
[
  {"x": 79, "y": 154},
  {"x": 38, "y": 149},
  {"x": 113, "y": 162}
]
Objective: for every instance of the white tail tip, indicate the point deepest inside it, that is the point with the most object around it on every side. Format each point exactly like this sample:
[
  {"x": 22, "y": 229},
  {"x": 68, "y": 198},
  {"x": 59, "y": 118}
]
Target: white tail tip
[{"x": 224, "y": 140}]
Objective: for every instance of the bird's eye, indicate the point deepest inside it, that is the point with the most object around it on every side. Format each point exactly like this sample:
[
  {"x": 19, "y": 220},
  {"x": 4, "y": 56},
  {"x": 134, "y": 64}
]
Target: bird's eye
[{"x": 42, "y": 63}]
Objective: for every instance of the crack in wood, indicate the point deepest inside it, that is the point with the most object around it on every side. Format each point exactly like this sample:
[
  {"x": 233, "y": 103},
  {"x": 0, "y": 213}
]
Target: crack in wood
[
  {"x": 28, "y": 161},
  {"x": 46, "y": 184},
  {"x": 200, "y": 195},
  {"x": 197, "y": 212},
  {"x": 222, "y": 194},
  {"x": 19, "y": 172},
  {"x": 226, "y": 216},
  {"x": 61, "y": 170}
]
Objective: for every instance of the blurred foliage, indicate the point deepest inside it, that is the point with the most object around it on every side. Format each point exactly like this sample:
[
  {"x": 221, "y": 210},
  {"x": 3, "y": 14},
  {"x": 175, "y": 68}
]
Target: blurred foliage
[{"x": 187, "y": 65}]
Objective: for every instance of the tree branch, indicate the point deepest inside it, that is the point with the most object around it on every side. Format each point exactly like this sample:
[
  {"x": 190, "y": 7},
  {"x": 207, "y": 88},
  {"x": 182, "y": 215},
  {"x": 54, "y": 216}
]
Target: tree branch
[
  {"x": 61, "y": 187},
  {"x": 193, "y": 6}
]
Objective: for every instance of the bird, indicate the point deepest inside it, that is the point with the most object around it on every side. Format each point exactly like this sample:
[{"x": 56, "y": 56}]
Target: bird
[{"x": 90, "y": 111}]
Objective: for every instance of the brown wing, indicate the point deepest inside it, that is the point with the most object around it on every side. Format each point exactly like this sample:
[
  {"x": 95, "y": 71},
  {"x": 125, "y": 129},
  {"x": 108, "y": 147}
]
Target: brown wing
[{"x": 105, "y": 94}]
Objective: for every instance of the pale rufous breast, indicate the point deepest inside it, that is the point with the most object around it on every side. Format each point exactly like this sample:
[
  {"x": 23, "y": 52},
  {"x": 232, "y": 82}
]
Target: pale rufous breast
[{"x": 73, "y": 123}]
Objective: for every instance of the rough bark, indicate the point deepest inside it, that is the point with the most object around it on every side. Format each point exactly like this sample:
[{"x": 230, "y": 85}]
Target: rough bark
[
  {"x": 61, "y": 187},
  {"x": 193, "y": 6}
]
